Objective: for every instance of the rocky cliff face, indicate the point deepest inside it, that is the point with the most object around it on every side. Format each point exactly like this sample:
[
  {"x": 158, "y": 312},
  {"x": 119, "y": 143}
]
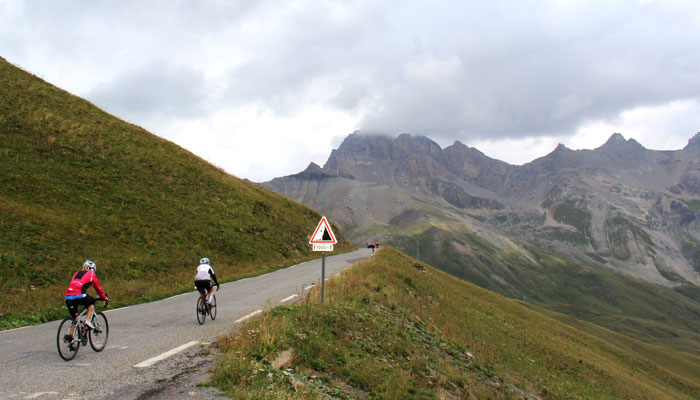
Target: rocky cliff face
[{"x": 619, "y": 207}]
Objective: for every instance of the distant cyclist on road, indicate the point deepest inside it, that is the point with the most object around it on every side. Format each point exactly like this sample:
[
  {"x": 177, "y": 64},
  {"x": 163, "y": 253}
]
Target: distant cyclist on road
[
  {"x": 202, "y": 281},
  {"x": 76, "y": 293}
]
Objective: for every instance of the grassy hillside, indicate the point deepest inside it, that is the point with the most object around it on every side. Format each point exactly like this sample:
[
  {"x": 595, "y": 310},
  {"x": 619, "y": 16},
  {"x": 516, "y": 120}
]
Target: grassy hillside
[
  {"x": 395, "y": 328},
  {"x": 654, "y": 314},
  {"x": 77, "y": 183}
]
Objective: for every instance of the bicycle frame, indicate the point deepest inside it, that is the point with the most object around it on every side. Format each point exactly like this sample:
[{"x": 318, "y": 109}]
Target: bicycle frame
[{"x": 81, "y": 317}]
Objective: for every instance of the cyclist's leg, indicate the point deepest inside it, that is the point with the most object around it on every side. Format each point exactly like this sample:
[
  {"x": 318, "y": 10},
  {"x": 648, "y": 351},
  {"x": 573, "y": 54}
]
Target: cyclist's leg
[
  {"x": 89, "y": 303},
  {"x": 210, "y": 292},
  {"x": 205, "y": 289},
  {"x": 202, "y": 289},
  {"x": 73, "y": 312}
]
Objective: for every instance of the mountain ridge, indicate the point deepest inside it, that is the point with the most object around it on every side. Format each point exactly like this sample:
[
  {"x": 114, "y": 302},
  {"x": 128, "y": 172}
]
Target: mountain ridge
[
  {"x": 619, "y": 209},
  {"x": 465, "y": 178}
]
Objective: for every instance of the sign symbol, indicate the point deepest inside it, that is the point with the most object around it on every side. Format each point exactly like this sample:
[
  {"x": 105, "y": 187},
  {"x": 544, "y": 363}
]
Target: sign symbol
[{"x": 326, "y": 236}]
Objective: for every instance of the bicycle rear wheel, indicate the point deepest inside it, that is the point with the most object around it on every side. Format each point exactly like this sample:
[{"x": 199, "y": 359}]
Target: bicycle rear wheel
[
  {"x": 99, "y": 335},
  {"x": 201, "y": 310},
  {"x": 212, "y": 308},
  {"x": 67, "y": 344}
]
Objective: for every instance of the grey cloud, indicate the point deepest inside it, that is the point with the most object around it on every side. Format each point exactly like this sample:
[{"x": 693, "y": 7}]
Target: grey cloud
[
  {"x": 545, "y": 73},
  {"x": 474, "y": 70},
  {"x": 308, "y": 45},
  {"x": 155, "y": 88},
  {"x": 453, "y": 70}
]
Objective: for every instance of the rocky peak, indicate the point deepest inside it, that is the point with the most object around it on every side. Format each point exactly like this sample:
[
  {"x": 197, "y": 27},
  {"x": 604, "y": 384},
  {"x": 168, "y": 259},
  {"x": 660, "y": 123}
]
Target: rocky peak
[
  {"x": 415, "y": 146},
  {"x": 617, "y": 142},
  {"x": 693, "y": 143},
  {"x": 461, "y": 148},
  {"x": 365, "y": 143},
  {"x": 615, "y": 139},
  {"x": 559, "y": 153},
  {"x": 473, "y": 166},
  {"x": 313, "y": 168},
  {"x": 313, "y": 171},
  {"x": 358, "y": 148},
  {"x": 560, "y": 159},
  {"x": 561, "y": 148}
]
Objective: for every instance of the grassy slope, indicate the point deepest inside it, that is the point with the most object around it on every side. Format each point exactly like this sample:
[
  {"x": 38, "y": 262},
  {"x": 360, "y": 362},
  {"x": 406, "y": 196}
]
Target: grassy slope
[
  {"x": 395, "y": 328},
  {"x": 78, "y": 183},
  {"x": 650, "y": 313}
]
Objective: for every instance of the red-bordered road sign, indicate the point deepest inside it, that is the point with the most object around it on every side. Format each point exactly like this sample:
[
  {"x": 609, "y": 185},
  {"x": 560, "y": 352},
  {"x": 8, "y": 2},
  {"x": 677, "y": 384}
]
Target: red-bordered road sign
[{"x": 323, "y": 233}]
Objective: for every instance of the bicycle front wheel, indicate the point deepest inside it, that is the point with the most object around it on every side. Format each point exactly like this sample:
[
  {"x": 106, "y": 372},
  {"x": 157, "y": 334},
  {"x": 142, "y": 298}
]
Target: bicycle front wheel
[
  {"x": 212, "y": 308},
  {"x": 67, "y": 343},
  {"x": 99, "y": 335},
  {"x": 201, "y": 310}
]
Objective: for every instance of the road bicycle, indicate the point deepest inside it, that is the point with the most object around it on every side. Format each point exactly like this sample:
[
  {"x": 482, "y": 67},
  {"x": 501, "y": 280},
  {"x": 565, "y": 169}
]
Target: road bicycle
[
  {"x": 69, "y": 343},
  {"x": 204, "y": 309}
]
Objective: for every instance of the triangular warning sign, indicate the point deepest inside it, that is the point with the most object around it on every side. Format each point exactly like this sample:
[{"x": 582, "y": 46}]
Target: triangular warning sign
[{"x": 323, "y": 233}]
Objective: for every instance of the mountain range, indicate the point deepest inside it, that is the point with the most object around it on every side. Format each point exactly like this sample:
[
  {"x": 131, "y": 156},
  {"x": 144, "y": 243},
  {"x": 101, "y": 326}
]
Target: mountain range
[{"x": 622, "y": 221}]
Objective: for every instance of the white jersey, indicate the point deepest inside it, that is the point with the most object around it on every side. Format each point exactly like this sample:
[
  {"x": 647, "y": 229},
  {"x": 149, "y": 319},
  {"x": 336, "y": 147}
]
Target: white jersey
[{"x": 203, "y": 272}]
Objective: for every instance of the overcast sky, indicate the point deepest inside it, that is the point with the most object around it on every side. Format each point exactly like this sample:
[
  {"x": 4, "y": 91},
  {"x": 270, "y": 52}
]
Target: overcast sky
[{"x": 262, "y": 88}]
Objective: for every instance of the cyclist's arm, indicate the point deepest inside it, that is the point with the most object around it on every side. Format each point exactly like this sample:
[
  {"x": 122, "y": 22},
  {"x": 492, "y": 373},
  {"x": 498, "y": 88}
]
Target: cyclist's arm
[
  {"x": 213, "y": 276},
  {"x": 98, "y": 287}
]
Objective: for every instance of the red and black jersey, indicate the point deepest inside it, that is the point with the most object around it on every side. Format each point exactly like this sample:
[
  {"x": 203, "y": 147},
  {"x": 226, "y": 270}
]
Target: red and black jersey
[{"x": 81, "y": 282}]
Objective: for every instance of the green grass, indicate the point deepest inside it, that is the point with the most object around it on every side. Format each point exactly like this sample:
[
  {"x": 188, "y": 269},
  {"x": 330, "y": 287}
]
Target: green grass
[
  {"x": 693, "y": 204},
  {"x": 654, "y": 314},
  {"x": 77, "y": 183},
  {"x": 395, "y": 328},
  {"x": 569, "y": 212}
]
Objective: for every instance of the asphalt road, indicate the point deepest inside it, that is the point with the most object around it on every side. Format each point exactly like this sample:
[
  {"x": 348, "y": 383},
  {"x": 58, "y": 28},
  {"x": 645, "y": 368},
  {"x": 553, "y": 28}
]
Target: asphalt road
[{"x": 30, "y": 367}]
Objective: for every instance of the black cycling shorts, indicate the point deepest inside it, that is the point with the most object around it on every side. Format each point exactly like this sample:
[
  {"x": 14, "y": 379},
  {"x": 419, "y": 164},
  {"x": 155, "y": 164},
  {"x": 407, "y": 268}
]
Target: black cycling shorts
[
  {"x": 203, "y": 286},
  {"x": 73, "y": 304}
]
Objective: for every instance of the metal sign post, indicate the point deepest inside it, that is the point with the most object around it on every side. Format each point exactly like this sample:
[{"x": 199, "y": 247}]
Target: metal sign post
[
  {"x": 323, "y": 240},
  {"x": 323, "y": 277}
]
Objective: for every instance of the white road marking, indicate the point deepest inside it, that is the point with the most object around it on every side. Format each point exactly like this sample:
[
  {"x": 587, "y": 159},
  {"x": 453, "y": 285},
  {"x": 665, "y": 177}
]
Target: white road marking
[
  {"x": 151, "y": 361},
  {"x": 16, "y": 329},
  {"x": 39, "y": 394},
  {"x": 254, "y": 313},
  {"x": 309, "y": 287},
  {"x": 289, "y": 298}
]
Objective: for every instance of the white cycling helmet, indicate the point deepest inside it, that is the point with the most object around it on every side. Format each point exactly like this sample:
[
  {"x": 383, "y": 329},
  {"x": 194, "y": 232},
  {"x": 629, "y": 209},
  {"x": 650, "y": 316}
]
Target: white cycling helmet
[
  {"x": 204, "y": 260},
  {"x": 91, "y": 265}
]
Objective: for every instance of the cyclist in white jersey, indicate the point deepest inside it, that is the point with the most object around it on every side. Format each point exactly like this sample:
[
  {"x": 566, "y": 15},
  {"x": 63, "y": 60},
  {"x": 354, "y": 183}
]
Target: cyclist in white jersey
[{"x": 202, "y": 281}]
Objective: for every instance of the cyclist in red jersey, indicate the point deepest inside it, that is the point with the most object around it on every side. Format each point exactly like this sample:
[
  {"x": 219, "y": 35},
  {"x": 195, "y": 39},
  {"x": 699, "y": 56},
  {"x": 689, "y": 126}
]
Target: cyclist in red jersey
[{"x": 76, "y": 293}]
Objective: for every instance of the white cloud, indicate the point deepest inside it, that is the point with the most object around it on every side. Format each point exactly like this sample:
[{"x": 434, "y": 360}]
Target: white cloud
[
  {"x": 663, "y": 127},
  {"x": 512, "y": 79},
  {"x": 252, "y": 142}
]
